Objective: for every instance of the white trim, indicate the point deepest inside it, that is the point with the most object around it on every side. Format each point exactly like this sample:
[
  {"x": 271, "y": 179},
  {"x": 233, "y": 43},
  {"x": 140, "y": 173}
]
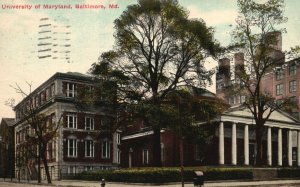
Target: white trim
[
  {"x": 240, "y": 119},
  {"x": 137, "y": 135},
  {"x": 141, "y": 134}
]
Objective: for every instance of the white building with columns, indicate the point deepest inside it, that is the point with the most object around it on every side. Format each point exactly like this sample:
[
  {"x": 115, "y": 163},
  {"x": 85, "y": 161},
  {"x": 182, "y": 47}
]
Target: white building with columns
[{"x": 236, "y": 139}]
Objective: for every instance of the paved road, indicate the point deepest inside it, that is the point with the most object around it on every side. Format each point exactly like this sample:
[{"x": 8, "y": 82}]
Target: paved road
[{"x": 68, "y": 183}]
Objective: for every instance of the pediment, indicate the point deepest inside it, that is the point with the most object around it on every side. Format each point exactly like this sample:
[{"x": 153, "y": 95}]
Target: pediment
[{"x": 276, "y": 115}]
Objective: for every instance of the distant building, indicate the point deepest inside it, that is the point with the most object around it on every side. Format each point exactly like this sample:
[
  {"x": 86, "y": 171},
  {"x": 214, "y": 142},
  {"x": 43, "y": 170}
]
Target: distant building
[
  {"x": 284, "y": 82},
  {"x": 78, "y": 146},
  {"x": 7, "y": 148},
  {"x": 281, "y": 141}
]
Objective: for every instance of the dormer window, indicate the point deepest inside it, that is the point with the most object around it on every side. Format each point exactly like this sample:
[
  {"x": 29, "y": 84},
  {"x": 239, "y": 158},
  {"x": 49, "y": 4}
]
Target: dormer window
[{"x": 71, "y": 89}]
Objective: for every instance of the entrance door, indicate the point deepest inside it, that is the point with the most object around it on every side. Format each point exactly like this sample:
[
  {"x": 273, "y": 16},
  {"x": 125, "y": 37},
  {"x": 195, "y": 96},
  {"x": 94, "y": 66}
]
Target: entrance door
[{"x": 252, "y": 153}]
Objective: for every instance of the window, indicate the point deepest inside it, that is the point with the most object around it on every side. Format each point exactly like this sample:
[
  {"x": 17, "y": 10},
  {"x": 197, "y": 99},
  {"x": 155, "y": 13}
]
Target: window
[
  {"x": 42, "y": 97},
  {"x": 47, "y": 94},
  {"x": 89, "y": 148},
  {"x": 279, "y": 74},
  {"x": 89, "y": 123},
  {"x": 118, "y": 138},
  {"x": 72, "y": 121},
  {"x": 52, "y": 90},
  {"x": 145, "y": 156},
  {"x": 53, "y": 149},
  {"x": 88, "y": 168},
  {"x": 37, "y": 101},
  {"x": 232, "y": 100},
  {"x": 105, "y": 149},
  {"x": 72, "y": 147},
  {"x": 72, "y": 170},
  {"x": 71, "y": 89},
  {"x": 292, "y": 70},
  {"x": 293, "y": 86},
  {"x": 279, "y": 89},
  {"x": 243, "y": 98}
]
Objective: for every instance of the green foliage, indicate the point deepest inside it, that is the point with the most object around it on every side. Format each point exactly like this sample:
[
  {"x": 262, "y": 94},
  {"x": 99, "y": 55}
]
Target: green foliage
[
  {"x": 256, "y": 35},
  {"x": 163, "y": 175},
  {"x": 157, "y": 48},
  {"x": 288, "y": 173}
]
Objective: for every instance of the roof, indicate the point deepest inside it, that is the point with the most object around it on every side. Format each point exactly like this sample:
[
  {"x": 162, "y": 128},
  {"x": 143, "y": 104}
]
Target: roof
[
  {"x": 243, "y": 115},
  {"x": 59, "y": 75},
  {"x": 8, "y": 121}
]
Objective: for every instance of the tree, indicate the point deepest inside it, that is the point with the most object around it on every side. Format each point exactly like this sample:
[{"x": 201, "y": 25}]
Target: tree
[
  {"x": 157, "y": 49},
  {"x": 42, "y": 130},
  {"x": 256, "y": 35},
  {"x": 186, "y": 110}
]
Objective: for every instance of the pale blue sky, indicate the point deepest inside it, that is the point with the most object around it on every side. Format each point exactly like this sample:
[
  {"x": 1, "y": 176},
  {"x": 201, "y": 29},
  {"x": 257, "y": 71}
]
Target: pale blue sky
[{"x": 91, "y": 34}]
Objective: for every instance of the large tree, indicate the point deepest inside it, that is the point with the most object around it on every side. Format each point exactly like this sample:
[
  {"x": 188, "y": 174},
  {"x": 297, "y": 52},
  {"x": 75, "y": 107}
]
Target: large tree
[
  {"x": 257, "y": 34},
  {"x": 42, "y": 130},
  {"x": 158, "y": 48}
]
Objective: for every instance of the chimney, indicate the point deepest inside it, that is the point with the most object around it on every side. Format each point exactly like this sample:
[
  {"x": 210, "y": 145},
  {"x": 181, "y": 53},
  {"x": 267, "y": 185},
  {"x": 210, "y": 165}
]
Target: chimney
[{"x": 239, "y": 62}]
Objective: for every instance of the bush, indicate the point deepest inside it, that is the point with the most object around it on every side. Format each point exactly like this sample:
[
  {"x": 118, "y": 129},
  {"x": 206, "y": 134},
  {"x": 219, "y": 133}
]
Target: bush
[
  {"x": 288, "y": 173},
  {"x": 163, "y": 175}
]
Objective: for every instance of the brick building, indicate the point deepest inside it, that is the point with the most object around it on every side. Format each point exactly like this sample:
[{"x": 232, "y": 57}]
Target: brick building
[
  {"x": 231, "y": 66},
  {"x": 7, "y": 147},
  {"x": 281, "y": 82},
  {"x": 79, "y": 145},
  {"x": 232, "y": 143}
]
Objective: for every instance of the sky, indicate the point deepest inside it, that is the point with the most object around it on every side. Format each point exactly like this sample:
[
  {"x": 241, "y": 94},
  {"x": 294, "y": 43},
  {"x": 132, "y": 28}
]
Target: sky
[{"x": 83, "y": 34}]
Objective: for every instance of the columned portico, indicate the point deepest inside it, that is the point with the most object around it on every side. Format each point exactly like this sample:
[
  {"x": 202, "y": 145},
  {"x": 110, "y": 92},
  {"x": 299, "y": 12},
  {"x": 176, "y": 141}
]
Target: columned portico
[
  {"x": 236, "y": 130},
  {"x": 269, "y": 153},
  {"x": 221, "y": 143},
  {"x": 279, "y": 147},
  {"x": 246, "y": 144},
  {"x": 233, "y": 145}
]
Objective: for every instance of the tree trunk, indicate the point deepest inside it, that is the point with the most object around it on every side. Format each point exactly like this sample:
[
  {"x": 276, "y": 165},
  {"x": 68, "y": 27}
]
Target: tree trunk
[
  {"x": 39, "y": 163},
  {"x": 156, "y": 147},
  {"x": 46, "y": 164},
  {"x": 259, "y": 131}
]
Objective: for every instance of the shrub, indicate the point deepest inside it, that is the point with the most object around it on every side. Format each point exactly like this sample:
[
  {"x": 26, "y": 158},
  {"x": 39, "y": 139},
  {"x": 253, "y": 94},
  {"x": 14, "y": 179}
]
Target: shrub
[
  {"x": 288, "y": 173},
  {"x": 163, "y": 175}
]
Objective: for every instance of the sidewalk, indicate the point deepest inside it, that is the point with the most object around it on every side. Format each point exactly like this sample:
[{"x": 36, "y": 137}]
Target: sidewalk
[
  {"x": 74, "y": 183},
  {"x": 67, "y": 183}
]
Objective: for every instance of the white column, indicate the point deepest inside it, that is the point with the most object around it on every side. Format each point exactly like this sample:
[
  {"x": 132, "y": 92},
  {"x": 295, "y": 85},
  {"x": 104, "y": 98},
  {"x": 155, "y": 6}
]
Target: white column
[
  {"x": 279, "y": 147},
  {"x": 233, "y": 145},
  {"x": 221, "y": 143},
  {"x": 289, "y": 136},
  {"x": 269, "y": 154},
  {"x": 298, "y": 148},
  {"x": 246, "y": 145}
]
